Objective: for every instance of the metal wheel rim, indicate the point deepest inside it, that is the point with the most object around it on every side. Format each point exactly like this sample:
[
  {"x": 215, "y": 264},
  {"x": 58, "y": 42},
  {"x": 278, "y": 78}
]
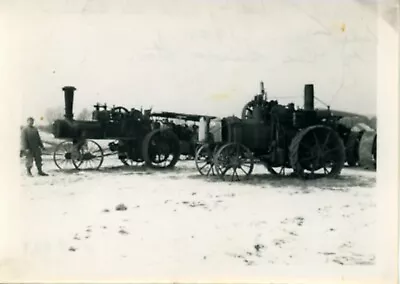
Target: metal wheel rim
[
  {"x": 159, "y": 158},
  {"x": 65, "y": 163},
  {"x": 234, "y": 159},
  {"x": 87, "y": 154},
  {"x": 205, "y": 167},
  {"x": 322, "y": 153}
]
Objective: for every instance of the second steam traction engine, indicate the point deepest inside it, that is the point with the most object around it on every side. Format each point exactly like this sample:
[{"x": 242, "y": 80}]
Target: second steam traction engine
[{"x": 305, "y": 142}]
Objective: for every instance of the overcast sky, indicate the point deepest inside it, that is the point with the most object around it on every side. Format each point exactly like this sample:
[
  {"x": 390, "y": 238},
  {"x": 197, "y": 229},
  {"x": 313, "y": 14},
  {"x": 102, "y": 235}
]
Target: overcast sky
[{"x": 189, "y": 55}]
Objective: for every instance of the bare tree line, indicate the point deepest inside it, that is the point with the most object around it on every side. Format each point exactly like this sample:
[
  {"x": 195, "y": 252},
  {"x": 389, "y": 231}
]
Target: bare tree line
[{"x": 52, "y": 114}]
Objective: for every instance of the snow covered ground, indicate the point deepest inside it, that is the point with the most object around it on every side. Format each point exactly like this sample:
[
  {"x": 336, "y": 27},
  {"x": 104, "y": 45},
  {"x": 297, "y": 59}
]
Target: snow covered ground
[{"x": 179, "y": 225}]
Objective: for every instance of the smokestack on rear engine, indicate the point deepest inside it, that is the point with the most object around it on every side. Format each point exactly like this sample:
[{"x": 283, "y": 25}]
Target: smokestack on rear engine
[
  {"x": 263, "y": 90},
  {"x": 69, "y": 101},
  {"x": 309, "y": 97}
]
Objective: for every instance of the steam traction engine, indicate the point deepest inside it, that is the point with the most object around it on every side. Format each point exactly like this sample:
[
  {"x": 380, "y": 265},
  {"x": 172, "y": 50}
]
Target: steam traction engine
[
  {"x": 304, "y": 142},
  {"x": 137, "y": 139}
]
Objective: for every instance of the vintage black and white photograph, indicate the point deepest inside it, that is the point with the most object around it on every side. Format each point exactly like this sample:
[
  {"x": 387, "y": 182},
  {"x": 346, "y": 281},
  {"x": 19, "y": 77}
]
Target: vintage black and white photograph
[{"x": 198, "y": 141}]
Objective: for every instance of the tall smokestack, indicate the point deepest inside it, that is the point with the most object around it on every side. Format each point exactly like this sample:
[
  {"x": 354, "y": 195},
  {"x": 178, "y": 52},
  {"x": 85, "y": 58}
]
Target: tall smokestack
[
  {"x": 69, "y": 101},
  {"x": 264, "y": 96},
  {"x": 262, "y": 87},
  {"x": 309, "y": 97}
]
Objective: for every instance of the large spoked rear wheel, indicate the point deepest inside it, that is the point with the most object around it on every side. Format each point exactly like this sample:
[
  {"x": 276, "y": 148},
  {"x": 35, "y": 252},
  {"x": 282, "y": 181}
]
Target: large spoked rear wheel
[
  {"x": 204, "y": 160},
  {"x": 161, "y": 149},
  {"x": 90, "y": 155},
  {"x": 63, "y": 155},
  {"x": 129, "y": 153},
  {"x": 316, "y": 152},
  {"x": 233, "y": 162}
]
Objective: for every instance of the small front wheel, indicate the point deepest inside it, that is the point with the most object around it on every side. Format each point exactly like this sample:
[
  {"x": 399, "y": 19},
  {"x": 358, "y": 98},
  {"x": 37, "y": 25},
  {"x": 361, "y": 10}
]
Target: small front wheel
[
  {"x": 63, "y": 155},
  {"x": 234, "y": 162},
  {"x": 90, "y": 155},
  {"x": 204, "y": 160}
]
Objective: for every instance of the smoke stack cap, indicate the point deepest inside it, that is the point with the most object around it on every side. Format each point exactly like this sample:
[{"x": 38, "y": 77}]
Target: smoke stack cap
[{"x": 66, "y": 88}]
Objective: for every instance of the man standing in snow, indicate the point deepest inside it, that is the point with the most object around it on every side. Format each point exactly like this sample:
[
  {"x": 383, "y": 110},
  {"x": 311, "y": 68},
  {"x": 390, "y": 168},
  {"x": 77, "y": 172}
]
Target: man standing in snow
[{"x": 32, "y": 145}]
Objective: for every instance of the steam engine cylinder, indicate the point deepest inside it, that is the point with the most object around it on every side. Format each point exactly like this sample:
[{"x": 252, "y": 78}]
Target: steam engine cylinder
[
  {"x": 309, "y": 97},
  {"x": 69, "y": 101}
]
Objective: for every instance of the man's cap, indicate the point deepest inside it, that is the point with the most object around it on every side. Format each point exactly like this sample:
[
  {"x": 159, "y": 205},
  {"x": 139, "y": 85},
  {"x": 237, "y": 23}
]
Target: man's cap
[{"x": 30, "y": 118}]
